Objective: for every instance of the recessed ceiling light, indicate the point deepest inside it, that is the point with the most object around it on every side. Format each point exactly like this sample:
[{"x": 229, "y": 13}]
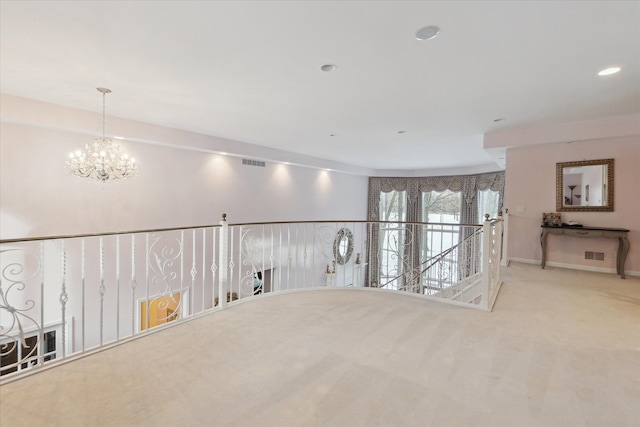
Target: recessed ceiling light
[
  {"x": 608, "y": 71},
  {"x": 329, "y": 67},
  {"x": 427, "y": 33}
]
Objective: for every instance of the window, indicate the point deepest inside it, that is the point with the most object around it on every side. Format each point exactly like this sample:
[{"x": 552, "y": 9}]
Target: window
[
  {"x": 403, "y": 250},
  {"x": 441, "y": 209},
  {"x": 488, "y": 203},
  {"x": 393, "y": 208},
  {"x": 441, "y": 206}
]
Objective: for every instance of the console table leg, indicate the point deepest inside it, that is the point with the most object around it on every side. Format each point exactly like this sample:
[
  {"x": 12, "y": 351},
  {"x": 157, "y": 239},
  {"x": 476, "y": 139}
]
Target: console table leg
[
  {"x": 623, "y": 250},
  {"x": 543, "y": 243}
]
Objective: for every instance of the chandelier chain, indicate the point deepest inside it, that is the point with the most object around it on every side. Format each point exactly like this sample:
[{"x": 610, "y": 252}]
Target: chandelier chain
[{"x": 104, "y": 113}]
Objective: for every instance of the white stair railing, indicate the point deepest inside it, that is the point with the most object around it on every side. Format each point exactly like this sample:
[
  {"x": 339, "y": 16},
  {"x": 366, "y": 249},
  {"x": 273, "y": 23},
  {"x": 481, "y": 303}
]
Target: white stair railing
[{"x": 66, "y": 296}]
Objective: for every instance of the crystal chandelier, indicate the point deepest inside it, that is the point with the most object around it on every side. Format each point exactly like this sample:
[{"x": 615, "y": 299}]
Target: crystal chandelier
[{"x": 102, "y": 160}]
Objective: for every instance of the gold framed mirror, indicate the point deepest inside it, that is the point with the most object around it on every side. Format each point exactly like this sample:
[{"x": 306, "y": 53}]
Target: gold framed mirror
[{"x": 584, "y": 186}]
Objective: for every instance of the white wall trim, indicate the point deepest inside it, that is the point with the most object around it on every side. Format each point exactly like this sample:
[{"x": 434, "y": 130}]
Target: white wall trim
[{"x": 574, "y": 266}]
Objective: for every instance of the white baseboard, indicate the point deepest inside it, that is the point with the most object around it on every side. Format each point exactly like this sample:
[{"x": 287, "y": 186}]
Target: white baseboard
[{"x": 574, "y": 266}]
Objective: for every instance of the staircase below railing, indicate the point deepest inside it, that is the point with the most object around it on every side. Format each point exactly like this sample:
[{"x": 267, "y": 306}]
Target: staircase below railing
[
  {"x": 67, "y": 296},
  {"x": 453, "y": 266}
]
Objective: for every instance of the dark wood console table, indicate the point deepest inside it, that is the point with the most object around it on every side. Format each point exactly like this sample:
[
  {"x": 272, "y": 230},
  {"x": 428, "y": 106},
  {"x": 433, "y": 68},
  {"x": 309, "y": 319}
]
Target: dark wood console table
[{"x": 619, "y": 233}]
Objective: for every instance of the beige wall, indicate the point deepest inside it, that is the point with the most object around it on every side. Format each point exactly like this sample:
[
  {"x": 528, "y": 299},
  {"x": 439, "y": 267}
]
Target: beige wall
[{"x": 530, "y": 191}]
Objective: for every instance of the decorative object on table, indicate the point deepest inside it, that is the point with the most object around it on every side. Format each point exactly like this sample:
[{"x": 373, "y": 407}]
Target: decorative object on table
[
  {"x": 551, "y": 219},
  {"x": 331, "y": 268},
  {"x": 102, "y": 160}
]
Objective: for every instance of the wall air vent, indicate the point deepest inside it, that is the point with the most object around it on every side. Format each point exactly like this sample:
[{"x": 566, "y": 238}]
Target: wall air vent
[
  {"x": 598, "y": 256},
  {"x": 257, "y": 163}
]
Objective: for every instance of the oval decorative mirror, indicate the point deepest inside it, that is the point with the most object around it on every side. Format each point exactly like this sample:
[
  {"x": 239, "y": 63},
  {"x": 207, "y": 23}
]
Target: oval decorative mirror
[
  {"x": 584, "y": 186},
  {"x": 343, "y": 246}
]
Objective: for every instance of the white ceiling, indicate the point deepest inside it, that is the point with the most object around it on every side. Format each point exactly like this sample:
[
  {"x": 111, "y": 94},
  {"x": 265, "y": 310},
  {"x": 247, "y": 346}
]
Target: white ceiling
[{"x": 250, "y": 71}]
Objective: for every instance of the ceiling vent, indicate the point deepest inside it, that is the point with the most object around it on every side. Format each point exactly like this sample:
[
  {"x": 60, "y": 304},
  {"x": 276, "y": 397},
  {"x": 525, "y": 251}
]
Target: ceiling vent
[{"x": 257, "y": 163}]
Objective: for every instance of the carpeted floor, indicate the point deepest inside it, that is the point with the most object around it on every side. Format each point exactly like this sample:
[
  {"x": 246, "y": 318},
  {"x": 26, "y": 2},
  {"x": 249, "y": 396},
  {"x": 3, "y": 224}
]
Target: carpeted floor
[{"x": 561, "y": 348}]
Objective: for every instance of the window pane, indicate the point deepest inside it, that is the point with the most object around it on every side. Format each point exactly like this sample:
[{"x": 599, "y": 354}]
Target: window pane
[
  {"x": 393, "y": 209},
  {"x": 393, "y": 206},
  {"x": 487, "y": 204},
  {"x": 441, "y": 207}
]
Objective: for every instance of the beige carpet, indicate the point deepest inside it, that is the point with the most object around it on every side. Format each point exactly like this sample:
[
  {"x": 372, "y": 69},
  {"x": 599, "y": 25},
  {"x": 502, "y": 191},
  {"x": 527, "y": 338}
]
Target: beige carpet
[{"x": 561, "y": 348}]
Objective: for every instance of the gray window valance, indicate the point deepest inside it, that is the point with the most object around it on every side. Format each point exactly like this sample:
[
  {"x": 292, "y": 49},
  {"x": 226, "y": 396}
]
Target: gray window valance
[
  {"x": 493, "y": 181},
  {"x": 469, "y": 185}
]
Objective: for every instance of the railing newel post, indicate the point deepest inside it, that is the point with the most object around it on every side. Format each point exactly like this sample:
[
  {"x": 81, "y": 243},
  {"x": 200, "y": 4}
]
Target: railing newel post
[
  {"x": 498, "y": 239},
  {"x": 486, "y": 250},
  {"x": 505, "y": 239}
]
